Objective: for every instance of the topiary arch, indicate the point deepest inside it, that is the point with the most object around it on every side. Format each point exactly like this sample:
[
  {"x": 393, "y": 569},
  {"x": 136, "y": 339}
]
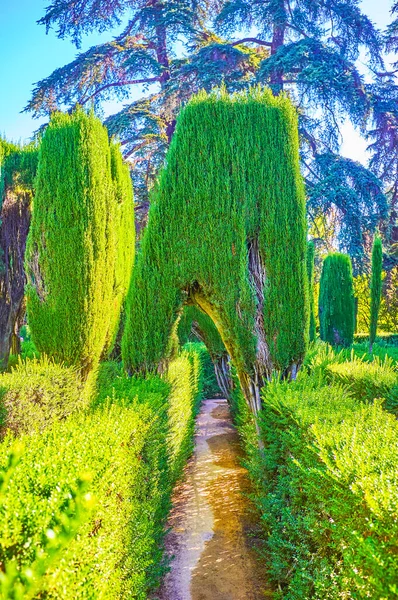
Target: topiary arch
[{"x": 227, "y": 233}]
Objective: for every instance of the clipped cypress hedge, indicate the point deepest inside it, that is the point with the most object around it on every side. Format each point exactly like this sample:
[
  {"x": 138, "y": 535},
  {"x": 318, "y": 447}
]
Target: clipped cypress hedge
[
  {"x": 375, "y": 289},
  {"x": 84, "y": 503},
  {"x": 325, "y": 486},
  {"x": 227, "y": 232},
  {"x": 77, "y": 264},
  {"x": 336, "y": 301},
  {"x": 310, "y": 274}
]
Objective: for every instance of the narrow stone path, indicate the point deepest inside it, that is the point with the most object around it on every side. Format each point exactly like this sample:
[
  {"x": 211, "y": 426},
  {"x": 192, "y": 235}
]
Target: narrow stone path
[{"x": 210, "y": 522}]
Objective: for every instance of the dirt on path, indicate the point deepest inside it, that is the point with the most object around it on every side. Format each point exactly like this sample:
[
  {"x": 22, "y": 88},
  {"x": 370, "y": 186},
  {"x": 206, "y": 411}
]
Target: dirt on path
[{"x": 211, "y": 524}]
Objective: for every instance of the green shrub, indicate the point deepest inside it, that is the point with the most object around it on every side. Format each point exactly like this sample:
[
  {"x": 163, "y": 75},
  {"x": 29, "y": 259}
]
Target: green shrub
[
  {"x": 368, "y": 380},
  {"x": 38, "y": 392},
  {"x": 128, "y": 449},
  {"x": 375, "y": 289},
  {"x": 336, "y": 301},
  {"x": 326, "y": 489},
  {"x": 76, "y": 260}
]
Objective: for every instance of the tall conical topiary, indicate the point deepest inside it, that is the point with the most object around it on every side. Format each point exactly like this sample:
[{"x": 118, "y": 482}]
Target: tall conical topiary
[
  {"x": 124, "y": 230},
  {"x": 227, "y": 233},
  {"x": 74, "y": 287},
  {"x": 375, "y": 289},
  {"x": 336, "y": 301},
  {"x": 310, "y": 274}
]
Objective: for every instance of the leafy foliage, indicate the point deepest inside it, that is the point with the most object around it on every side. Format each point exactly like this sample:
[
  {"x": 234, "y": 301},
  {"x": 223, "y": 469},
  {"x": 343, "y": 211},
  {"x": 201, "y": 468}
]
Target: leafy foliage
[
  {"x": 81, "y": 242},
  {"x": 336, "y": 301}
]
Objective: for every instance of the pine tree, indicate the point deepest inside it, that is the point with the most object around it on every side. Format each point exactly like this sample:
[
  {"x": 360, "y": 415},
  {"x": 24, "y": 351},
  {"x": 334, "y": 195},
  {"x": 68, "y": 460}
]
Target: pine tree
[
  {"x": 73, "y": 293},
  {"x": 310, "y": 274},
  {"x": 306, "y": 47},
  {"x": 247, "y": 268},
  {"x": 336, "y": 301},
  {"x": 375, "y": 289}
]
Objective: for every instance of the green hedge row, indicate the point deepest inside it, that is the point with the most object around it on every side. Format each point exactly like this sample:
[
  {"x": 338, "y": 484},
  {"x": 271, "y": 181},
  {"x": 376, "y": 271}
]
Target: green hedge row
[
  {"x": 386, "y": 338},
  {"x": 83, "y": 503},
  {"x": 326, "y": 487}
]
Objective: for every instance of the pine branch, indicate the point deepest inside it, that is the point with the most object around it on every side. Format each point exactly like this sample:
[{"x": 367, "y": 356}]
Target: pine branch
[
  {"x": 117, "y": 84},
  {"x": 252, "y": 40}
]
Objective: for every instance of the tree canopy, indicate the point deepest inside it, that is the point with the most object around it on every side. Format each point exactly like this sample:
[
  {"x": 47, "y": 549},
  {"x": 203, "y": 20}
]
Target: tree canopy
[{"x": 166, "y": 51}]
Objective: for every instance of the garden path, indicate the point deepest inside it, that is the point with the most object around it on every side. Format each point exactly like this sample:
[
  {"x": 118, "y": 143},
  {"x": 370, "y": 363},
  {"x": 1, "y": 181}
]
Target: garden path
[{"x": 211, "y": 526}]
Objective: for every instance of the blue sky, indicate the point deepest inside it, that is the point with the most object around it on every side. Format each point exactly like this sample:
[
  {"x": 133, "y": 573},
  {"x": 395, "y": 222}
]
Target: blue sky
[{"x": 28, "y": 55}]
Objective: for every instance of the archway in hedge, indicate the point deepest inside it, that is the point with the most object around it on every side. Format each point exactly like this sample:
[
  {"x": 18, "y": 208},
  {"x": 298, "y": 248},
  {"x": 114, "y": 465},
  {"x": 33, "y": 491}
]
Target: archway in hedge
[{"x": 227, "y": 233}]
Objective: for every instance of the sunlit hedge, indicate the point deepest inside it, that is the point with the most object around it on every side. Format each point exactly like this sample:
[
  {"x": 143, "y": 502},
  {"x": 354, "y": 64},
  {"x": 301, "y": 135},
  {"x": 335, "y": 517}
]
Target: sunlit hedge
[
  {"x": 326, "y": 489},
  {"x": 83, "y": 504}
]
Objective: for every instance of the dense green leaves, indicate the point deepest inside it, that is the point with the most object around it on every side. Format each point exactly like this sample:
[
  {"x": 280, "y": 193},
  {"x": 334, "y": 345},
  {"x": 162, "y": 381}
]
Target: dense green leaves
[
  {"x": 336, "y": 301},
  {"x": 81, "y": 242}
]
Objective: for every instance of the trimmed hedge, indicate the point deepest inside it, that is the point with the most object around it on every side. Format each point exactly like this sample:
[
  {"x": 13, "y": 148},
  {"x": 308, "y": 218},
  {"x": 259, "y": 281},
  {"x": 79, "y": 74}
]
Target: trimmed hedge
[
  {"x": 83, "y": 505},
  {"x": 326, "y": 487}
]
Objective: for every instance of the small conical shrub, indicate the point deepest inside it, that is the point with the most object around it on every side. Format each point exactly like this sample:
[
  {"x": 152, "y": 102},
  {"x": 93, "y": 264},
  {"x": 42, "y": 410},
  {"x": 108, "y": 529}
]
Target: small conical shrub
[
  {"x": 310, "y": 272},
  {"x": 75, "y": 283},
  {"x": 375, "y": 289},
  {"x": 336, "y": 301}
]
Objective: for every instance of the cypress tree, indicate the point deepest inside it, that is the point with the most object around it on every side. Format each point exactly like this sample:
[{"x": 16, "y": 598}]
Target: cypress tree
[
  {"x": 336, "y": 301},
  {"x": 227, "y": 233},
  {"x": 18, "y": 167},
  {"x": 74, "y": 289},
  {"x": 375, "y": 289},
  {"x": 124, "y": 239},
  {"x": 310, "y": 274}
]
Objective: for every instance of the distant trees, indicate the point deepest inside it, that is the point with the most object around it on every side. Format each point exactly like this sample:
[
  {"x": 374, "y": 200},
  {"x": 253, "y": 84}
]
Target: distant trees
[
  {"x": 336, "y": 301},
  {"x": 77, "y": 264},
  {"x": 169, "y": 50},
  {"x": 375, "y": 289}
]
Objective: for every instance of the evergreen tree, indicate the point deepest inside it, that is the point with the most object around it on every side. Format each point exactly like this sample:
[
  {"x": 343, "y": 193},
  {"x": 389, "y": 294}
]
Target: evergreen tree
[
  {"x": 247, "y": 268},
  {"x": 310, "y": 273},
  {"x": 375, "y": 289},
  {"x": 17, "y": 173},
  {"x": 73, "y": 293},
  {"x": 336, "y": 301},
  {"x": 170, "y": 50}
]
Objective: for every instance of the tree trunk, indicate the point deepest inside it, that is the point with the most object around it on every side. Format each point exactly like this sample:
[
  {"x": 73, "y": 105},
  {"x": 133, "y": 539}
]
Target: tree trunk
[
  {"x": 223, "y": 375},
  {"x": 15, "y": 221}
]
